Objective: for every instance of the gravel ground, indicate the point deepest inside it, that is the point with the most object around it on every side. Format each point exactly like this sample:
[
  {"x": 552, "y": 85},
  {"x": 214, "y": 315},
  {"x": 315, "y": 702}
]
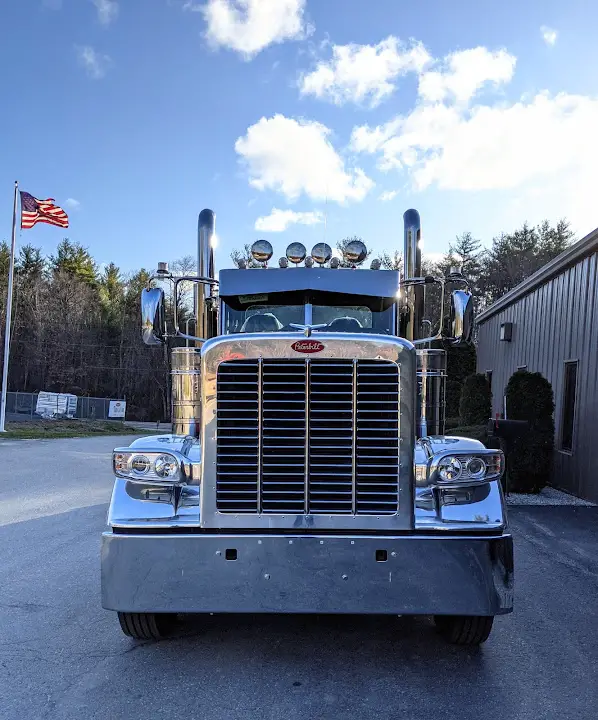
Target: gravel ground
[
  {"x": 547, "y": 496},
  {"x": 62, "y": 657}
]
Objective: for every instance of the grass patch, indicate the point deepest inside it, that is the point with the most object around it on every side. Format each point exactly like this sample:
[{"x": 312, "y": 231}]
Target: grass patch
[{"x": 44, "y": 429}]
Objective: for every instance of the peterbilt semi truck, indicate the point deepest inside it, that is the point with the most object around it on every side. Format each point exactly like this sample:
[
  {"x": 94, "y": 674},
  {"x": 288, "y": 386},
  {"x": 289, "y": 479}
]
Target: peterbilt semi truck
[{"x": 307, "y": 470}]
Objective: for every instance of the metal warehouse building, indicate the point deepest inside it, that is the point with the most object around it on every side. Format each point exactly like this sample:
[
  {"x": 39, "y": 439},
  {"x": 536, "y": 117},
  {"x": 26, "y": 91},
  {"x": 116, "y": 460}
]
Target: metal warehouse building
[{"x": 549, "y": 324}]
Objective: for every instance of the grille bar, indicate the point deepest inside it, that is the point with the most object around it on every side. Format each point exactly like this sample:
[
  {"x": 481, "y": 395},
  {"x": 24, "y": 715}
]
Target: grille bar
[{"x": 308, "y": 436}]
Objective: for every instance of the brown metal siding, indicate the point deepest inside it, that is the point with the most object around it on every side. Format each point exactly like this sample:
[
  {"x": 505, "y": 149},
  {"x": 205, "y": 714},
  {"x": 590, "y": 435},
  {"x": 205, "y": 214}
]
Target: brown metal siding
[{"x": 556, "y": 322}]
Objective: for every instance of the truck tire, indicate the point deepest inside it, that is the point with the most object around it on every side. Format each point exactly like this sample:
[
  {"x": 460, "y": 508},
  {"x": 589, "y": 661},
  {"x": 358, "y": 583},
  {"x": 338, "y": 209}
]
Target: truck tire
[
  {"x": 146, "y": 626},
  {"x": 464, "y": 629}
]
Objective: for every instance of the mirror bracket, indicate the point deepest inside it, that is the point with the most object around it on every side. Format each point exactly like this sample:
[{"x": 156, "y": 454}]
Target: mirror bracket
[
  {"x": 193, "y": 279},
  {"x": 461, "y": 309},
  {"x": 153, "y": 318}
]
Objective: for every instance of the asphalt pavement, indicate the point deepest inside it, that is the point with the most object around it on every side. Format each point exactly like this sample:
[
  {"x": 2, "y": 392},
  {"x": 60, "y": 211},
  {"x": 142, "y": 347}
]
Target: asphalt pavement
[{"x": 63, "y": 656}]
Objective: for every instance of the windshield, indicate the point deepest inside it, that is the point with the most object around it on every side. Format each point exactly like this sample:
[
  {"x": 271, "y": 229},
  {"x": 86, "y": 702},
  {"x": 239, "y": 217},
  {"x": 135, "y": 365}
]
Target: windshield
[{"x": 370, "y": 316}]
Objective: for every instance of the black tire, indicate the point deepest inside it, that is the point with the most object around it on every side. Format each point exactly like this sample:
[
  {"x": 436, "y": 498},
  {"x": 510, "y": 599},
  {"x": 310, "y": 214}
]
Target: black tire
[
  {"x": 464, "y": 629},
  {"x": 146, "y": 626}
]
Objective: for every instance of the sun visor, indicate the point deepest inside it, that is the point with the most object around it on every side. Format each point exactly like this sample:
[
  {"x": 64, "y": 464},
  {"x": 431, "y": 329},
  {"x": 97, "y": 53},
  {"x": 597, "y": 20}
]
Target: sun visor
[{"x": 375, "y": 283}]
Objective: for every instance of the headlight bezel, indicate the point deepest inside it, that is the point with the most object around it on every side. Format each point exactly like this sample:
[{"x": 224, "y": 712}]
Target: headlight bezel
[
  {"x": 123, "y": 460},
  {"x": 493, "y": 467}
]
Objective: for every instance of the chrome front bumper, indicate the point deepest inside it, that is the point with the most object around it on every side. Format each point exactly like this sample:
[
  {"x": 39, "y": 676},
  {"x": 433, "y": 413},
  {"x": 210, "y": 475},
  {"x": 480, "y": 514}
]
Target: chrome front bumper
[{"x": 403, "y": 575}]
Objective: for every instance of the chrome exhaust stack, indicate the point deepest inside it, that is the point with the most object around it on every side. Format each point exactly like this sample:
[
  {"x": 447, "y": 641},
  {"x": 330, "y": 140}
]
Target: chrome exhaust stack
[
  {"x": 431, "y": 363},
  {"x": 206, "y": 230},
  {"x": 185, "y": 375},
  {"x": 412, "y": 268},
  {"x": 186, "y": 361}
]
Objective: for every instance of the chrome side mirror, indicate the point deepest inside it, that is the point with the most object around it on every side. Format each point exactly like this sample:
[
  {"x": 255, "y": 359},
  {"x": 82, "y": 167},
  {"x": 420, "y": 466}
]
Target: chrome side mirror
[
  {"x": 461, "y": 317},
  {"x": 153, "y": 319}
]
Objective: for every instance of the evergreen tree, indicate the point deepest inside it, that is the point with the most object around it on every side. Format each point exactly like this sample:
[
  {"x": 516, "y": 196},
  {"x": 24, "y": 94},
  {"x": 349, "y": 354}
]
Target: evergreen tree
[
  {"x": 515, "y": 256},
  {"x": 111, "y": 290},
  {"x": 30, "y": 264},
  {"x": 74, "y": 259},
  {"x": 4, "y": 260}
]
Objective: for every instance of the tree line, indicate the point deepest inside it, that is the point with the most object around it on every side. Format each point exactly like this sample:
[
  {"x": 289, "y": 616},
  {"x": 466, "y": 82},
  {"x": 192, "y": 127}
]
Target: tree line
[{"x": 76, "y": 327}]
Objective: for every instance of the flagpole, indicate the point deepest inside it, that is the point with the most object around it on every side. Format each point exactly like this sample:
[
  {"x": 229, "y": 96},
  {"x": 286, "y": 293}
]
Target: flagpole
[{"x": 11, "y": 273}]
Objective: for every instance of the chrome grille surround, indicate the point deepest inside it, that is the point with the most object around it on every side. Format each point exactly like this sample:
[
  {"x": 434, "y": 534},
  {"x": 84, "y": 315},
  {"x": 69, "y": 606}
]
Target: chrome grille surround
[{"x": 308, "y": 442}]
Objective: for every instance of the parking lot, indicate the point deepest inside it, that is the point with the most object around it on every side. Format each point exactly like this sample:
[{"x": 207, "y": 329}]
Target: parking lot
[{"x": 63, "y": 656}]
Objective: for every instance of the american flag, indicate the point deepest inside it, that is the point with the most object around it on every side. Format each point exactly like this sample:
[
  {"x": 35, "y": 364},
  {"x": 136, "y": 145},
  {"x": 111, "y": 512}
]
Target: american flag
[{"x": 34, "y": 211}]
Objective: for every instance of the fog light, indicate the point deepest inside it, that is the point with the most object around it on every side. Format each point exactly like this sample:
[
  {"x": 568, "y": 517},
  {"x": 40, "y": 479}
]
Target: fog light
[{"x": 450, "y": 469}]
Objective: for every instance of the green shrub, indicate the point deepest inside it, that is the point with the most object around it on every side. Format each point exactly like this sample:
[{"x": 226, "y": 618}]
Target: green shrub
[
  {"x": 453, "y": 395},
  {"x": 475, "y": 432},
  {"x": 529, "y": 460},
  {"x": 476, "y": 400},
  {"x": 451, "y": 422},
  {"x": 461, "y": 362}
]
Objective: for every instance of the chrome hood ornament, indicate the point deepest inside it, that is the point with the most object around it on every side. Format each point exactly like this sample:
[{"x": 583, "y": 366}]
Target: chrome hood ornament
[{"x": 307, "y": 329}]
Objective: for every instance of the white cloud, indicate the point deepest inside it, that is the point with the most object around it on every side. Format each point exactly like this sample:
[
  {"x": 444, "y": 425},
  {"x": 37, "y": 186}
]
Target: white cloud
[
  {"x": 489, "y": 147},
  {"x": 281, "y": 220},
  {"x": 464, "y": 73},
  {"x": 107, "y": 10},
  {"x": 295, "y": 157},
  {"x": 434, "y": 257},
  {"x": 94, "y": 63},
  {"x": 388, "y": 195},
  {"x": 249, "y": 26},
  {"x": 364, "y": 73},
  {"x": 549, "y": 35},
  {"x": 72, "y": 203}
]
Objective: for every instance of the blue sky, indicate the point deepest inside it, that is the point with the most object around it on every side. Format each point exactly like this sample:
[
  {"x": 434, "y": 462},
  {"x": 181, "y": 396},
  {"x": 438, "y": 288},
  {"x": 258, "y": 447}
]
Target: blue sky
[{"x": 136, "y": 114}]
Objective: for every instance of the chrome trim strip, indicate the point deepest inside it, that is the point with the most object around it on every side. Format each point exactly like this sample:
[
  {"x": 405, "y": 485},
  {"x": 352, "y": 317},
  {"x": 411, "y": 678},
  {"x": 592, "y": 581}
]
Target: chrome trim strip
[
  {"x": 260, "y": 431},
  {"x": 336, "y": 346},
  {"x": 354, "y": 443},
  {"x": 307, "y": 417}
]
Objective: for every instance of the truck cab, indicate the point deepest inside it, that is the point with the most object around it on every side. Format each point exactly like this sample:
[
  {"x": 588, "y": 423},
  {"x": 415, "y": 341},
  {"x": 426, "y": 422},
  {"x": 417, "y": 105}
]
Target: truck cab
[{"x": 308, "y": 470}]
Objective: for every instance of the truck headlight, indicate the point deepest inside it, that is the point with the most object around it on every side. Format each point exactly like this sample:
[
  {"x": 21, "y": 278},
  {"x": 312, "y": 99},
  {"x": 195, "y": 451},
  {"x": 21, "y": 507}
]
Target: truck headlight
[
  {"x": 145, "y": 466},
  {"x": 166, "y": 466},
  {"x": 450, "y": 469},
  {"x": 465, "y": 468}
]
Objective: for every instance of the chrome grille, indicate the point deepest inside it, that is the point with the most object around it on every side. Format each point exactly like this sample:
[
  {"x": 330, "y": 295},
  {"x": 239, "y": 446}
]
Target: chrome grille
[{"x": 308, "y": 437}]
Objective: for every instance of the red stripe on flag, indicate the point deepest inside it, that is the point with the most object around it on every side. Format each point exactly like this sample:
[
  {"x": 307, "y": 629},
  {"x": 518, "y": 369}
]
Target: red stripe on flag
[{"x": 53, "y": 221}]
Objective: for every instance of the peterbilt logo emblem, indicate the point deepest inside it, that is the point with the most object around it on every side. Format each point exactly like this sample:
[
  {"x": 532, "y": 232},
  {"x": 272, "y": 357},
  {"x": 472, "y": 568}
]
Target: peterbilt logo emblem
[{"x": 308, "y": 346}]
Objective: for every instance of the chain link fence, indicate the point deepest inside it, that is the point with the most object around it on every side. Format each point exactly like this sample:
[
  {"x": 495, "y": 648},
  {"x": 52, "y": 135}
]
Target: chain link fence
[{"x": 22, "y": 406}]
